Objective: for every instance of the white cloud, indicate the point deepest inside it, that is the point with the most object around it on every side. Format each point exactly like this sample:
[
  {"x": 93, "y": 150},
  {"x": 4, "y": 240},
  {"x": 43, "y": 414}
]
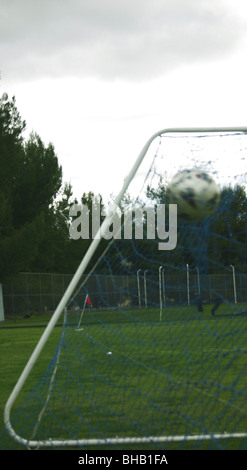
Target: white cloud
[
  {"x": 98, "y": 77},
  {"x": 131, "y": 39}
]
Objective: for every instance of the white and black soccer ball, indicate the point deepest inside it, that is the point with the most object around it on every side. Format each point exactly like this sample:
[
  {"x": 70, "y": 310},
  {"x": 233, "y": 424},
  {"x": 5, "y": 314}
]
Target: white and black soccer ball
[{"x": 195, "y": 193}]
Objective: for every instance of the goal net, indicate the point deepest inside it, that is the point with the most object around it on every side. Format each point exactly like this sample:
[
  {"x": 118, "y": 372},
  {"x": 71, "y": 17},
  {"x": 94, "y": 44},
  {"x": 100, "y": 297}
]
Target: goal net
[{"x": 151, "y": 336}]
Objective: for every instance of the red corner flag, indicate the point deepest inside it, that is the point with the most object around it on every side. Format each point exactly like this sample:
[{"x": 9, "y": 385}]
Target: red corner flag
[{"x": 88, "y": 301}]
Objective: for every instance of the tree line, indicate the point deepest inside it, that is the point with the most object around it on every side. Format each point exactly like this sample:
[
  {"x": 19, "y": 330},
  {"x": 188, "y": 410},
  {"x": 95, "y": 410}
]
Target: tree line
[{"x": 35, "y": 215}]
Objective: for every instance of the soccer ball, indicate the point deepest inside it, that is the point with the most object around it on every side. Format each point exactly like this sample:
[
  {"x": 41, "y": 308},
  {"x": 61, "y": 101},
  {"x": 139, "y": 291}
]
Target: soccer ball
[{"x": 195, "y": 193}]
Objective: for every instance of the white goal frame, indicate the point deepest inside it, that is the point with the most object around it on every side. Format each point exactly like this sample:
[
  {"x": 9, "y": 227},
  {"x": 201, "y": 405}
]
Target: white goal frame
[{"x": 62, "y": 305}]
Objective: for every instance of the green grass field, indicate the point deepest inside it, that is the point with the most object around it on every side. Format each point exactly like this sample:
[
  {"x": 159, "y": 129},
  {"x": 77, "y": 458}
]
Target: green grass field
[{"x": 133, "y": 375}]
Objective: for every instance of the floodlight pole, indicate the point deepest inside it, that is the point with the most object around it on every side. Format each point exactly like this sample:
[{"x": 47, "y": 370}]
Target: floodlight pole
[
  {"x": 198, "y": 281},
  {"x": 160, "y": 290},
  {"x": 234, "y": 283},
  {"x": 163, "y": 287},
  {"x": 1, "y": 304},
  {"x": 145, "y": 288},
  {"x": 188, "y": 284},
  {"x": 138, "y": 287}
]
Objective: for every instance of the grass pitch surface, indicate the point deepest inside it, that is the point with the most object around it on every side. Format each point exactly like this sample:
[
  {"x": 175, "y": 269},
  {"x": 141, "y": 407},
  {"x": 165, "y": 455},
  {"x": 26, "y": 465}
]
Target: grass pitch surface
[{"x": 132, "y": 375}]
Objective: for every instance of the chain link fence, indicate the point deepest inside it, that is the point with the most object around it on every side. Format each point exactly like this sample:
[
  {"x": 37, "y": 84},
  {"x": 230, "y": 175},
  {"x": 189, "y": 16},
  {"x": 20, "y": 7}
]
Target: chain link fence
[{"x": 39, "y": 293}]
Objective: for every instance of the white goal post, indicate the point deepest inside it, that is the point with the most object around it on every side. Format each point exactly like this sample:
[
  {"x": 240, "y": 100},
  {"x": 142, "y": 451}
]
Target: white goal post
[{"x": 62, "y": 306}]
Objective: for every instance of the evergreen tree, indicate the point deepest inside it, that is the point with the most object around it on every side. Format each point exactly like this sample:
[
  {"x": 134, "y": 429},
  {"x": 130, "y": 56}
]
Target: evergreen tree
[{"x": 30, "y": 179}]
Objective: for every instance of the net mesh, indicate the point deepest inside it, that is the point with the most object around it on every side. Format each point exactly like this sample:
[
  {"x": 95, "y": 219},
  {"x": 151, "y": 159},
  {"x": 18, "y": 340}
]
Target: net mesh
[{"x": 153, "y": 348}]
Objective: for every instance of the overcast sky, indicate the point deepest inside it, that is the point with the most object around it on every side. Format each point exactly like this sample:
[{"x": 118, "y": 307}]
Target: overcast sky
[{"x": 98, "y": 77}]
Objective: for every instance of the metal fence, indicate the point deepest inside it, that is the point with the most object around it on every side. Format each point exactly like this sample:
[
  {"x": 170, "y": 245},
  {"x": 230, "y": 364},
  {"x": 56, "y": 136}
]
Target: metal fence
[{"x": 39, "y": 293}]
